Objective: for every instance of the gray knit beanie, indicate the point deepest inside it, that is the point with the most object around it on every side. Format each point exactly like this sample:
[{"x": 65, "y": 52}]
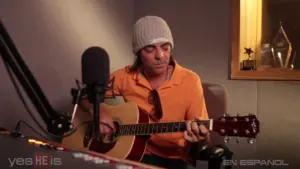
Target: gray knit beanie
[{"x": 149, "y": 30}]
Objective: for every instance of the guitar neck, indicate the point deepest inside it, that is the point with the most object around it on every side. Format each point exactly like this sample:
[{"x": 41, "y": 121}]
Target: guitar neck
[{"x": 156, "y": 128}]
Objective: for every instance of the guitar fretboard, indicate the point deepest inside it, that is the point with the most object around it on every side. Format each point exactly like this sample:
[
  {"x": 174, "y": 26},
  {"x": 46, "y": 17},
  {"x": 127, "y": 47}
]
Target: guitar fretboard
[{"x": 155, "y": 128}]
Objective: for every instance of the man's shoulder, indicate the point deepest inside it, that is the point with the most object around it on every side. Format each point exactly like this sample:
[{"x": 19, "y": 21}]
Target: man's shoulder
[
  {"x": 188, "y": 74},
  {"x": 126, "y": 70}
]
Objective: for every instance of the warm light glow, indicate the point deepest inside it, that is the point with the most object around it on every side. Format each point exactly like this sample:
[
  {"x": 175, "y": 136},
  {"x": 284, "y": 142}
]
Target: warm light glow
[
  {"x": 250, "y": 28},
  {"x": 31, "y": 140}
]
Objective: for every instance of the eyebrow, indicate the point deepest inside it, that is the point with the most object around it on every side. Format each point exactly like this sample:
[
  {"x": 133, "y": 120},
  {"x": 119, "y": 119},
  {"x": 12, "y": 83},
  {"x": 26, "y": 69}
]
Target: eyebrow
[{"x": 164, "y": 44}]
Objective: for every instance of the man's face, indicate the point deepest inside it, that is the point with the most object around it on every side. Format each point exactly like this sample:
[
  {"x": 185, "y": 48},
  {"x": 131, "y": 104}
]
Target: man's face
[{"x": 156, "y": 57}]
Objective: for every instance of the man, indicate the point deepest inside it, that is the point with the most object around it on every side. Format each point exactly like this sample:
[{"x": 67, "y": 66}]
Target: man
[{"x": 167, "y": 91}]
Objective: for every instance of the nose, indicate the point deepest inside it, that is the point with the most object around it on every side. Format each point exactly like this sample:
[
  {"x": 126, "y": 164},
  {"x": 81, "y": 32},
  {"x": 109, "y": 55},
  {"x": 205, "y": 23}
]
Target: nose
[{"x": 159, "y": 54}]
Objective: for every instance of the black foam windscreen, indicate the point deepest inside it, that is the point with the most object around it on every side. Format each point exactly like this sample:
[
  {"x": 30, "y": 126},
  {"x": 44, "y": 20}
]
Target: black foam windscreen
[{"x": 95, "y": 66}]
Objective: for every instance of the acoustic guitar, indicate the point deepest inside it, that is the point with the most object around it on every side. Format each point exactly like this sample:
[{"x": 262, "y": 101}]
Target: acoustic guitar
[{"x": 134, "y": 130}]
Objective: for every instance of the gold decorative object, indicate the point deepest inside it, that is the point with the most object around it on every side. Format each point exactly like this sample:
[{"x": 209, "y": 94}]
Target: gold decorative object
[{"x": 249, "y": 64}]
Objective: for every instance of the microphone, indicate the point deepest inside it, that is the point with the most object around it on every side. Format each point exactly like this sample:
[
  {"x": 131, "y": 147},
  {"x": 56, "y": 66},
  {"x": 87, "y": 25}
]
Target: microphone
[{"x": 95, "y": 76}]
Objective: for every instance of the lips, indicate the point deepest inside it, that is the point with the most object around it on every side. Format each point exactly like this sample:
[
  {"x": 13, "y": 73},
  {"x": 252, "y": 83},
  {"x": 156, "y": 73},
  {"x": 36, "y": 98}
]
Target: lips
[{"x": 160, "y": 65}]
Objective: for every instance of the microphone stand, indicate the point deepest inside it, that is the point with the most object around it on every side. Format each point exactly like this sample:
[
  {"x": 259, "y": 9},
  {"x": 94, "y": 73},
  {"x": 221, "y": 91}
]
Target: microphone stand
[
  {"x": 57, "y": 124},
  {"x": 96, "y": 95}
]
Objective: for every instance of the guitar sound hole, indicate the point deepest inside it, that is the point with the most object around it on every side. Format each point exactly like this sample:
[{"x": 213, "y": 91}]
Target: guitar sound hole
[{"x": 110, "y": 138}]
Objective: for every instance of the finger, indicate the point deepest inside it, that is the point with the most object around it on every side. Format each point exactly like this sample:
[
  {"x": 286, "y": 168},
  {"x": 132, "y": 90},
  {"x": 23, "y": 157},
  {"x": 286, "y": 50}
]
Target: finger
[
  {"x": 203, "y": 130},
  {"x": 103, "y": 129},
  {"x": 195, "y": 128},
  {"x": 189, "y": 137},
  {"x": 107, "y": 125},
  {"x": 188, "y": 127},
  {"x": 111, "y": 126}
]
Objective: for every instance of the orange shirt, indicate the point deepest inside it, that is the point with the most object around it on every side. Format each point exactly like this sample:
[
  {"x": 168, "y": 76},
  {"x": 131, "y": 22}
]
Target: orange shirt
[{"x": 181, "y": 98}]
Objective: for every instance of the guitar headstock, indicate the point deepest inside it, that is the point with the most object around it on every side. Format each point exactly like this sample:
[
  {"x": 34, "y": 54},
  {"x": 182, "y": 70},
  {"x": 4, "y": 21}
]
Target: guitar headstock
[{"x": 238, "y": 126}]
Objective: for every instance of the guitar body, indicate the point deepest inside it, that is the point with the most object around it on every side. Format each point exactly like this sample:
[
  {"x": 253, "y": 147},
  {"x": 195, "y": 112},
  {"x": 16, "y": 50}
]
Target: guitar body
[{"x": 124, "y": 147}]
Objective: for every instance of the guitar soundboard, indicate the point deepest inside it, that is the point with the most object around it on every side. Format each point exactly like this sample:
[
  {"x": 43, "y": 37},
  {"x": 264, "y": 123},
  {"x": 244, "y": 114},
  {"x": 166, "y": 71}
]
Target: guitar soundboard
[{"x": 25, "y": 152}]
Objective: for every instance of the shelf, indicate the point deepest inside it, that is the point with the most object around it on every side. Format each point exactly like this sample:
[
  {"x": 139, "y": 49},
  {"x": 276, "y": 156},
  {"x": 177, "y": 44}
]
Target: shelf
[{"x": 266, "y": 74}]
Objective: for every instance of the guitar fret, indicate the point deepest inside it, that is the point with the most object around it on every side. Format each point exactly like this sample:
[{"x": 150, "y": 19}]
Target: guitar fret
[
  {"x": 176, "y": 126},
  {"x": 139, "y": 129},
  {"x": 148, "y": 129},
  {"x": 152, "y": 127},
  {"x": 143, "y": 129},
  {"x": 170, "y": 127},
  {"x": 173, "y": 127},
  {"x": 127, "y": 129},
  {"x": 166, "y": 127},
  {"x": 121, "y": 130},
  {"x": 133, "y": 129}
]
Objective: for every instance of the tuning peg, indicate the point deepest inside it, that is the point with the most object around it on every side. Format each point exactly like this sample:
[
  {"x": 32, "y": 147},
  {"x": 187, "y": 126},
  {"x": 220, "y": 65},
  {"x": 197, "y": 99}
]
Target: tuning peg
[
  {"x": 226, "y": 139},
  {"x": 237, "y": 139},
  {"x": 251, "y": 140}
]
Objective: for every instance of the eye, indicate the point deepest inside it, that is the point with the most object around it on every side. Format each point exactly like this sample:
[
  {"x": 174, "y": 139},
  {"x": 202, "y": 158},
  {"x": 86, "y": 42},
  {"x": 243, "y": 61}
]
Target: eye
[
  {"x": 149, "y": 49},
  {"x": 166, "y": 47}
]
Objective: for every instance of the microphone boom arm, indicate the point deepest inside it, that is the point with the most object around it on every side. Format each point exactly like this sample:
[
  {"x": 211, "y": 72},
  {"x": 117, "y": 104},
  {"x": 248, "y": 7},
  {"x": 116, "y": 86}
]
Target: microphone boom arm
[{"x": 57, "y": 124}]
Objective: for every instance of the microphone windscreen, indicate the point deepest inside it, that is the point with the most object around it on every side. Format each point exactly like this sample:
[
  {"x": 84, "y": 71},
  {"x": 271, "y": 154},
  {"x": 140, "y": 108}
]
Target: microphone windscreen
[{"x": 95, "y": 67}]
